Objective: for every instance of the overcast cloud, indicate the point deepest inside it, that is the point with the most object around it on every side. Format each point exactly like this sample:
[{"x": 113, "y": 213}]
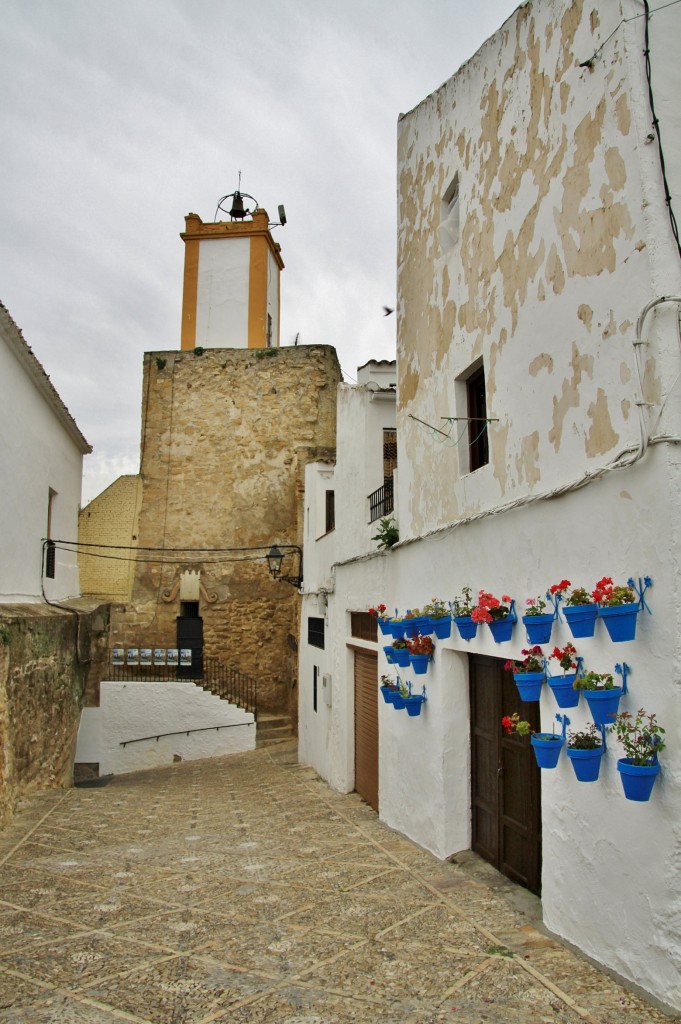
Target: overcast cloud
[{"x": 117, "y": 118}]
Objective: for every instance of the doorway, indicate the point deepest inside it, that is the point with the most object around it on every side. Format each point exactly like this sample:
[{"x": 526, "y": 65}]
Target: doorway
[
  {"x": 505, "y": 779},
  {"x": 366, "y": 726}
]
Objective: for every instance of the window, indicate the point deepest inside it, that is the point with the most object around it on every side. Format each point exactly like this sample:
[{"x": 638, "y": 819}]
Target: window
[
  {"x": 50, "y": 549},
  {"x": 330, "y": 511},
  {"x": 363, "y": 626},
  {"x": 448, "y": 231},
  {"x": 389, "y": 453},
  {"x": 478, "y": 448},
  {"x": 315, "y": 632},
  {"x": 315, "y": 685},
  {"x": 269, "y": 330}
]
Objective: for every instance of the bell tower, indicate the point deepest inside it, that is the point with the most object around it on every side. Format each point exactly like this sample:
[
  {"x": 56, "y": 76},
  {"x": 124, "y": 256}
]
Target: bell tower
[{"x": 231, "y": 279}]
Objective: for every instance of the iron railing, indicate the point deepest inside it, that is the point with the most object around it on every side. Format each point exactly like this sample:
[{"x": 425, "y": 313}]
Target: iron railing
[
  {"x": 381, "y": 501},
  {"x": 228, "y": 683}
]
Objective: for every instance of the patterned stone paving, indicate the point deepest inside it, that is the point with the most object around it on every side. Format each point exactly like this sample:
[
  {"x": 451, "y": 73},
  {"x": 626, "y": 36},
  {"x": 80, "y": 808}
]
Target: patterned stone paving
[{"x": 242, "y": 889}]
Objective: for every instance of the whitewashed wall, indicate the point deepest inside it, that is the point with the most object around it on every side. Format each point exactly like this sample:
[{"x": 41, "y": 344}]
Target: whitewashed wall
[
  {"x": 563, "y": 239},
  {"x": 36, "y": 454},
  {"x": 222, "y": 293},
  {"x": 132, "y": 710}
]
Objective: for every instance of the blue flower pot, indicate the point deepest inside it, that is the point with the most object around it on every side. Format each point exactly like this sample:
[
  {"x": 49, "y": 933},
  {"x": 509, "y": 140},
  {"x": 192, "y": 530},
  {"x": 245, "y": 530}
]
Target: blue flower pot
[
  {"x": 620, "y": 621},
  {"x": 398, "y": 702},
  {"x": 397, "y": 629},
  {"x": 547, "y": 748},
  {"x": 586, "y": 763},
  {"x": 401, "y": 656},
  {"x": 389, "y": 654},
  {"x": 563, "y": 690},
  {"x": 419, "y": 662},
  {"x": 529, "y": 685},
  {"x": 581, "y": 618},
  {"x": 466, "y": 627},
  {"x": 442, "y": 628},
  {"x": 603, "y": 704},
  {"x": 388, "y": 694},
  {"x": 538, "y": 628},
  {"x": 385, "y": 627},
  {"x": 637, "y": 779},
  {"x": 501, "y": 629},
  {"x": 412, "y": 627},
  {"x": 413, "y": 705}
]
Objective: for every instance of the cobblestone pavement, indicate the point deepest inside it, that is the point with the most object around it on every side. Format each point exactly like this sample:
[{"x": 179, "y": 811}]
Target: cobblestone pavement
[{"x": 244, "y": 889}]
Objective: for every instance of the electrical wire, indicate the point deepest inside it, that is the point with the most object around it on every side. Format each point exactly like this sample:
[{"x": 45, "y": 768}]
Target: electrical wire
[{"x": 656, "y": 126}]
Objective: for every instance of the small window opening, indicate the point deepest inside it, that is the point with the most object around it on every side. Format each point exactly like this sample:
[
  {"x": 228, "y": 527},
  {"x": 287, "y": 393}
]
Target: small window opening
[
  {"x": 478, "y": 446},
  {"x": 315, "y": 631},
  {"x": 315, "y": 683},
  {"x": 269, "y": 330},
  {"x": 330, "y": 511},
  {"x": 189, "y": 609},
  {"x": 50, "y": 549},
  {"x": 448, "y": 231}
]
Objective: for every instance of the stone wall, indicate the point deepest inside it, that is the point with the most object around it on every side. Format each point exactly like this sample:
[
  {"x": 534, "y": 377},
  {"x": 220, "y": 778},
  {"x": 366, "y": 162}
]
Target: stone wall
[
  {"x": 48, "y": 656},
  {"x": 226, "y": 435},
  {"x": 109, "y": 519}
]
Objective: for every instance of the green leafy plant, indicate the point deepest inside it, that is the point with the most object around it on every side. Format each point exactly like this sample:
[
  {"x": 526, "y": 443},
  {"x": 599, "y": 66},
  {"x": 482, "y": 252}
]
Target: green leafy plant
[
  {"x": 594, "y": 681},
  {"x": 640, "y": 735},
  {"x": 532, "y": 662},
  {"x": 588, "y": 739},
  {"x": 266, "y": 353},
  {"x": 400, "y": 644},
  {"x": 160, "y": 363},
  {"x": 464, "y": 604},
  {"x": 4, "y": 636},
  {"x": 388, "y": 533},
  {"x": 421, "y": 645},
  {"x": 610, "y": 596},
  {"x": 565, "y": 656},
  {"x": 576, "y": 596},
  {"x": 514, "y": 723},
  {"x": 436, "y": 609},
  {"x": 198, "y": 350},
  {"x": 534, "y": 606},
  {"x": 388, "y": 682}
]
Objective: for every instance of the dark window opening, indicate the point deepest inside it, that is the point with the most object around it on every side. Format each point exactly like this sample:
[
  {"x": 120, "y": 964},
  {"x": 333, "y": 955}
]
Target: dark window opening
[
  {"x": 478, "y": 448},
  {"x": 50, "y": 559},
  {"x": 189, "y": 609},
  {"x": 389, "y": 453},
  {"x": 315, "y": 632},
  {"x": 330, "y": 511},
  {"x": 269, "y": 330},
  {"x": 315, "y": 681}
]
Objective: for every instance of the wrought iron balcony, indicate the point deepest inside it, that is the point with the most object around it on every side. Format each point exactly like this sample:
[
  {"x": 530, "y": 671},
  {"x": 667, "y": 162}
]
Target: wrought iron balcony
[{"x": 381, "y": 501}]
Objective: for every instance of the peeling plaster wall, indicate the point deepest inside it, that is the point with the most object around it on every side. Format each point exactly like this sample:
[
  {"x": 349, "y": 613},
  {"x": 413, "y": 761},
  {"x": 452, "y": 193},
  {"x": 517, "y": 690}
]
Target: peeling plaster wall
[{"x": 563, "y": 239}]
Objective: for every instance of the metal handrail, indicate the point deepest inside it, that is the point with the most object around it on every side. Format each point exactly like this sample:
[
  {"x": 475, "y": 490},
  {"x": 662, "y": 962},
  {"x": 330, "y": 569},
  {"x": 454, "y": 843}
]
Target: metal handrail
[
  {"x": 228, "y": 683},
  {"x": 185, "y": 732}
]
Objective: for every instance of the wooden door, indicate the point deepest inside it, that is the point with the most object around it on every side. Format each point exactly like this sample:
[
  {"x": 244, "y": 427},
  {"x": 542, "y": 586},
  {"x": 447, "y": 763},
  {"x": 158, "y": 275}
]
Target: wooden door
[
  {"x": 366, "y": 726},
  {"x": 505, "y": 779}
]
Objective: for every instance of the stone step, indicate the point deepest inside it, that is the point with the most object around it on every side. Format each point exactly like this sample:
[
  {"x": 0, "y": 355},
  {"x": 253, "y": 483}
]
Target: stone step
[{"x": 272, "y": 729}]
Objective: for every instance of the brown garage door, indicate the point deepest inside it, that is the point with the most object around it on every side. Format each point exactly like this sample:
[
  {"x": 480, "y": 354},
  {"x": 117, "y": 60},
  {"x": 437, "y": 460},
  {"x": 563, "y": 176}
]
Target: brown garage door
[{"x": 366, "y": 727}]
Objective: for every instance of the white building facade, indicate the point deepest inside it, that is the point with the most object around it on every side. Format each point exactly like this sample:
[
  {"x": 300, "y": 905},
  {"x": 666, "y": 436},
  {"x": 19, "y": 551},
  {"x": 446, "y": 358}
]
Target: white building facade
[
  {"x": 538, "y": 427},
  {"x": 41, "y": 467}
]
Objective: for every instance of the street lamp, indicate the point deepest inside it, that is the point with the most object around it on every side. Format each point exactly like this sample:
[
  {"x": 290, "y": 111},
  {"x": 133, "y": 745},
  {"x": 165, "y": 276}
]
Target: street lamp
[{"x": 275, "y": 560}]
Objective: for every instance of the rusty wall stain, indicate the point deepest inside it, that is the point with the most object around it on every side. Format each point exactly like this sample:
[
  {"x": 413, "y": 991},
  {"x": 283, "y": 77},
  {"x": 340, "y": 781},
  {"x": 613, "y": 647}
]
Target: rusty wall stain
[
  {"x": 541, "y": 362},
  {"x": 527, "y": 462},
  {"x": 569, "y": 396},
  {"x": 601, "y": 437}
]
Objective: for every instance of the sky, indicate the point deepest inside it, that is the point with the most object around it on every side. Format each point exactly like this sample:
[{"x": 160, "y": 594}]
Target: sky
[{"x": 118, "y": 117}]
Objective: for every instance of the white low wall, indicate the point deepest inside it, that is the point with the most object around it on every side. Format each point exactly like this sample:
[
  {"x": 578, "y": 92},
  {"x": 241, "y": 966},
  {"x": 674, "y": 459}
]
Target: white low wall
[{"x": 133, "y": 710}]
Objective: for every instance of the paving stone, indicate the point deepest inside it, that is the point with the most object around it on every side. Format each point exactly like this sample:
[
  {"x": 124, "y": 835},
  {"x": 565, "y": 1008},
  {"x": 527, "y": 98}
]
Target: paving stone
[{"x": 242, "y": 889}]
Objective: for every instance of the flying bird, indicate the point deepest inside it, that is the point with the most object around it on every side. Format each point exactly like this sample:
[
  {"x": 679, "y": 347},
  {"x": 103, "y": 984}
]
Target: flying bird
[{"x": 387, "y": 311}]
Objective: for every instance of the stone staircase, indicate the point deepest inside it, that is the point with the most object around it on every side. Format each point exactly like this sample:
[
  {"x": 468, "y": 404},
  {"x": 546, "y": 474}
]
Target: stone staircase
[{"x": 272, "y": 729}]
